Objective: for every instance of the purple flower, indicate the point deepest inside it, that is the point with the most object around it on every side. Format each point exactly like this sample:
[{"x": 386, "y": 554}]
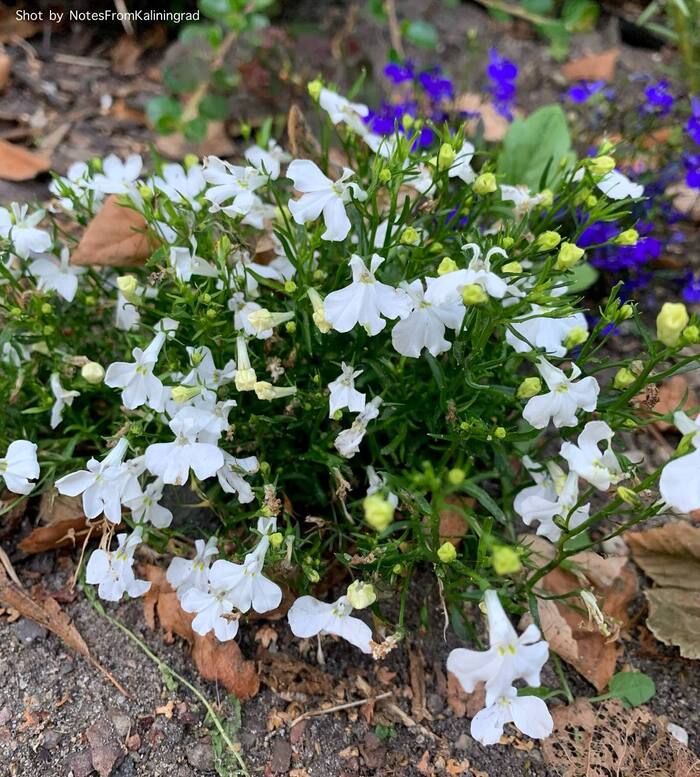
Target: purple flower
[
  {"x": 693, "y": 125},
  {"x": 691, "y": 289},
  {"x": 436, "y": 85},
  {"x": 692, "y": 170},
  {"x": 659, "y": 99},
  {"x": 582, "y": 91},
  {"x": 399, "y": 73},
  {"x": 503, "y": 74}
]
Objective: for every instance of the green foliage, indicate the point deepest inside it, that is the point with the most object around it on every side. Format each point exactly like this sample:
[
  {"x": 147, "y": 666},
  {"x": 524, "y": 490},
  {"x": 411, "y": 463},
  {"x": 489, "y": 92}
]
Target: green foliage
[{"x": 632, "y": 688}]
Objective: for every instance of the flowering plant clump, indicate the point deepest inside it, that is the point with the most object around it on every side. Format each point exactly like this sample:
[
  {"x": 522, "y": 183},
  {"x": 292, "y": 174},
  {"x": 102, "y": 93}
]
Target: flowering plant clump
[{"x": 332, "y": 352}]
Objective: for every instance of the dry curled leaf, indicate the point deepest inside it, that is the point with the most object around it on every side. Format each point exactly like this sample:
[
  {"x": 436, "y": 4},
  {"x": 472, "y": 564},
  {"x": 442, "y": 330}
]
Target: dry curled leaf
[
  {"x": 64, "y": 524},
  {"x": 288, "y": 676},
  {"x": 303, "y": 144},
  {"x": 671, "y": 398},
  {"x": 592, "y": 67},
  {"x": 18, "y": 164}
]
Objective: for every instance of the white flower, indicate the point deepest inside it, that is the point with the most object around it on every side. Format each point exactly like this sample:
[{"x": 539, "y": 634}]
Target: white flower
[
  {"x": 554, "y": 495},
  {"x": 601, "y": 470},
  {"x": 180, "y": 185},
  {"x": 529, "y": 714},
  {"x": 267, "y": 161},
  {"x": 204, "y": 372},
  {"x": 422, "y": 180},
  {"x": 20, "y": 466},
  {"x": 425, "y": 326},
  {"x": 448, "y": 287},
  {"x": 341, "y": 111},
  {"x": 347, "y": 443},
  {"x": 258, "y": 213},
  {"x": 618, "y": 186},
  {"x": 521, "y": 198},
  {"x": 63, "y": 398},
  {"x": 540, "y": 330},
  {"x": 136, "y": 379},
  {"x": 321, "y": 195},
  {"x": 21, "y": 230},
  {"x": 231, "y": 477},
  {"x": 117, "y": 177},
  {"x": 247, "y": 585},
  {"x": 184, "y": 573},
  {"x": 377, "y": 484},
  {"x": 77, "y": 181},
  {"x": 461, "y": 166},
  {"x": 105, "y": 485},
  {"x": 509, "y": 657},
  {"x": 218, "y": 413},
  {"x": 214, "y": 607},
  {"x": 186, "y": 263},
  {"x": 344, "y": 393},
  {"x": 232, "y": 182},
  {"x": 57, "y": 275},
  {"x": 308, "y": 617},
  {"x": 172, "y": 461},
  {"x": 680, "y": 479},
  {"x": 127, "y": 313},
  {"x": 113, "y": 571},
  {"x": 365, "y": 300},
  {"x": 146, "y": 508},
  {"x": 565, "y": 397}
]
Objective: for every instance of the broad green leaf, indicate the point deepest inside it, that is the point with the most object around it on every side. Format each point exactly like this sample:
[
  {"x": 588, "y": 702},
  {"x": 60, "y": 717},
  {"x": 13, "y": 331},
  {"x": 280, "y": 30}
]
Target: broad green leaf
[
  {"x": 214, "y": 107},
  {"x": 633, "y": 688},
  {"x": 422, "y": 34},
  {"x": 583, "y": 276},
  {"x": 163, "y": 113}
]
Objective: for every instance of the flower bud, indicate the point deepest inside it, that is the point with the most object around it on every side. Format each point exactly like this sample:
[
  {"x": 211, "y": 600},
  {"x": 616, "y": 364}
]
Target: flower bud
[
  {"x": 546, "y": 198},
  {"x": 628, "y": 496},
  {"x": 447, "y": 553},
  {"x": 505, "y": 560},
  {"x": 128, "y": 285},
  {"x": 190, "y": 160},
  {"x": 577, "y": 336},
  {"x": 691, "y": 335},
  {"x": 601, "y": 165},
  {"x": 276, "y": 539},
  {"x": 473, "y": 294},
  {"x": 548, "y": 240},
  {"x": 485, "y": 184},
  {"x": 409, "y": 237},
  {"x": 319, "y": 314},
  {"x": 92, "y": 372},
  {"x": 499, "y": 433},
  {"x": 267, "y": 392},
  {"x": 407, "y": 121},
  {"x": 314, "y": 88},
  {"x": 530, "y": 387},
  {"x": 379, "y": 512},
  {"x": 507, "y": 242},
  {"x": 512, "y": 268},
  {"x": 625, "y": 312},
  {"x": 361, "y": 595},
  {"x": 182, "y": 394},
  {"x": 629, "y": 237},
  {"x": 384, "y": 175},
  {"x": 446, "y": 156},
  {"x": 670, "y": 322},
  {"x": 456, "y": 476},
  {"x": 446, "y": 265},
  {"x": 146, "y": 192},
  {"x": 624, "y": 378},
  {"x": 290, "y": 287},
  {"x": 569, "y": 254}
]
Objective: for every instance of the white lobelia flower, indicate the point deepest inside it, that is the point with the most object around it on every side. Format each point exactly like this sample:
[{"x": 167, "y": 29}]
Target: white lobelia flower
[
  {"x": 618, "y": 186},
  {"x": 213, "y": 607},
  {"x": 146, "y": 507},
  {"x": 242, "y": 308},
  {"x": 529, "y": 714},
  {"x": 268, "y": 161},
  {"x": 343, "y": 392},
  {"x": 521, "y": 197},
  {"x": 377, "y": 485},
  {"x": 231, "y": 476},
  {"x": 19, "y": 466},
  {"x": 347, "y": 443},
  {"x": 63, "y": 398},
  {"x": 180, "y": 185},
  {"x": 601, "y": 470},
  {"x": 461, "y": 166},
  {"x": 422, "y": 181},
  {"x": 127, "y": 314},
  {"x": 172, "y": 461},
  {"x": 232, "y": 182},
  {"x": 258, "y": 213},
  {"x": 105, "y": 485},
  {"x": 555, "y": 494},
  {"x": 309, "y": 616},
  {"x": 20, "y": 228},
  {"x": 186, "y": 263},
  {"x": 680, "y": 478},
  {"x": 117, "y": 177},
  {"x": 136, "y": 379},
  {"x": 341, "y": 111},
  {"x": 77, "y": 181},
  {"x": 322, "y": 195},
  {"x": 448, "y": 287},
  {"x": 204, "y": 371},
  {"x": 57, "y": 275},
  {"x": 218, "y": 413},
  {"x": 113, "y": 571},
  {"x": 425, "y": 326},
  {"x": 246, "y": 583},
  {"x": 184, "y": 573},
  {"x": 510, "y": 657},
  {"x": 365, "y": 300},
  {"x": 565, "y": 397},
  {"x": 540, "y": 330}
]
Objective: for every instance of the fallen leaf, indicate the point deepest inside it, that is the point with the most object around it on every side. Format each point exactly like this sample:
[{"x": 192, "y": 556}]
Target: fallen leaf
[
  {"x": 671, "y": 396},
  {"x": 592, "y": 67},
  {"x": 166, "y": 710},
  {"x": 495, "y": 125},
  {"x": 216, "y": 143},
  {"x": 302, "y": 141},
  {"x": 5, "y": 69},
  {"x": 416, "y": 671},
  {"x": 423, "y": 765},
  {"x": 125, "y": 56},
  {"x": 670, "y": 556},
  {"x": 121, "y": 111},
  {"x": 609, "y": 739},
  {"x": 114, "y": 238},
  {"x": 266, "y": 635},
  {"x": 18, "y": 164},
  {"x": 65, "y": 521},
  {"x": 288, "y": 676},
  {"x": 461, "y": 703},
  {"x": 685, "y": 200}
]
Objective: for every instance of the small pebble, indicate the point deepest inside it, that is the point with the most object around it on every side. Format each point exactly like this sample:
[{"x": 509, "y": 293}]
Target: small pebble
[{"x": 27, "y": 631}]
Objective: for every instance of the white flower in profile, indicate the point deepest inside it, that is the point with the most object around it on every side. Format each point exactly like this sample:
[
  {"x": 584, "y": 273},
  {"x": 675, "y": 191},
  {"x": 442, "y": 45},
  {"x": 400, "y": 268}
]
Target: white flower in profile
[
  {"x": 268, "y": 160},
  {"x": 341, "y": 111},
  {"x": 539, "y": 329},
  {"x": 63, "y": 398},
  {"x": 232, "y": 182},
  {"x": 117, "y": 177},
  {"x": 54, "y": 274},
  {"x": 555, "y": 494},
  {"x": 19, "y": 466},
  {"x": 127, "y": 314},
  {"x": 242, "y": 309},
  {"x": 180, "y": 185},
  {"x": 20, "y": 228},
  {"x": 377, "y": 485},
  {"x": 185, "y": 573},
  {"x": 448, "y": 287},
  {"x": 146, "y": 507},
  {"x": 365, "y": 300},
  {"x": 76, "y": 181},
  {"x": 425, "y": 326},
  {"x": 529, "y": 714},
  {"x": 105, "y": 485},
  {"x": 601, "y": 470},
  {"x": 186, "y": 263},
  {"x": 343, "y": 392},
  {"x": 461, "y": 166},
  {"x": 347, "y": 443},
  {"x": 618, "y": 186},
  {"x": 136, "y": 379},
  {"x": 565, "y": 397},
  {"x": 322, "y": 195},
  {"x": 172, "y": 461},
  {"x": 231, "y": 476},
  {"x": 204, "y": 371},
  {"x": 309, "y": 616},
  {"x": 522, "y": 198},
  {"x": 510, "y": 657},
  {"x": 680, "y": 478},
  {"x": 113, "y": 571}
]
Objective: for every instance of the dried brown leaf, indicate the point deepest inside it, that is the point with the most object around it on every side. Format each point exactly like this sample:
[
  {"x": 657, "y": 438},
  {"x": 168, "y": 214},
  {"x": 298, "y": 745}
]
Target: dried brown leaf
[
  {"x": 5, "y": 69},
  {"x": 291, "y": 676},
  {"x": 18, "y": 164},
  {"x": 674, "y": 619},
  {"x": 302, "y": 141},
  {"x": 592, "y": 67},
  {"x": 495, "y": 125},
  {"x": 125, "y": 56},
  {"x": 65, "y": 524},
  {"x": 671, "y": 395},
  {"x": 13, "y": 26}
]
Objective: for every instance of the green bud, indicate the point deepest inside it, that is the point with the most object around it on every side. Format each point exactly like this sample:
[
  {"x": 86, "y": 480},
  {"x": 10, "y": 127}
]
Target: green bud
[
  {"x": 379, "y": 512},
  {"x": 473, "y": 294},
  {"x": 505, "y": 560},
  {"x": 624, "y": 378},
  {"x": 446, "y": 265},
  {"x": 190, "y": 160},
  {"x": 361, "y": 595},
  {"x": 547, "y": 240},
  {"x": 691, "y": 335},
  {"x": 601, "y": 165},
  {"x": 314, "y": 88},
  {"x": 291, "y": 327},
  {"x": 447, "y": 553},
  {"x": 46, "y": 308},
  {"x": 409, "y": 237},
  {"x": 499, "y": 433},
  {"x": 670, "y": 322},
  {"x": 530, "y": 387},
  {"x": 569, "y": 254},
  {"x": 512, "y": 268},
  {"x": 485, "y": 184},
  {"x": 507, "y": 242},
  {"x": 629, "y": 237},
  {"x": 577, "y": 336},
  {"x": 384, "y": 175},
  {"x": 456, "y": 476},
  {"x": 446, "y": 156}
]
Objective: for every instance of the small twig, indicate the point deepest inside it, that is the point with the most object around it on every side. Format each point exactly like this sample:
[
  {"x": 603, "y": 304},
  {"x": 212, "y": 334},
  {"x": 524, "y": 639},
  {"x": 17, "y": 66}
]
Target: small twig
[
  {"x": 120, "y": 5},
  {"x": 394, "y": 27},
  {"x": 339, "y": 707},
  {"x": 74, "y": 59},
  {"x": 192, "y": 105}
]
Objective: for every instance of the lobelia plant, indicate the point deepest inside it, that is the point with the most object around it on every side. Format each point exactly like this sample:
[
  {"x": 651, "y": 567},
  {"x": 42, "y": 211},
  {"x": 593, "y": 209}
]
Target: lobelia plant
[{"x": 332, "y": 353}]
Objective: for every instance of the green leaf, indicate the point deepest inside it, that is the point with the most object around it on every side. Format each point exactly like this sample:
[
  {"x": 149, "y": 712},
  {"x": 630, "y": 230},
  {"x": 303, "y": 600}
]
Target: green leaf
[
  {"x": 579, "y": 15},
  {"x": 164, "y": 113},
  {"x": 531, "y": 144},
  {"x": 196, "y": 130},
  {"x": 214, "y": 107},
  {"x": 583, "y": 275},
  {"x": 633, "y": 688},
  {"x": 421, "y": 34}
]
